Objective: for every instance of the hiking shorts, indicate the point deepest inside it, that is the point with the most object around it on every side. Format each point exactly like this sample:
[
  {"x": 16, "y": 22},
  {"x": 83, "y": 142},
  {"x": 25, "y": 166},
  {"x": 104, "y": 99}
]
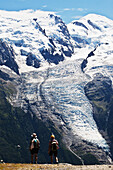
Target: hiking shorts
[
  {"x": 53, "y": 153},
  {"x": 34, "y": 151}
]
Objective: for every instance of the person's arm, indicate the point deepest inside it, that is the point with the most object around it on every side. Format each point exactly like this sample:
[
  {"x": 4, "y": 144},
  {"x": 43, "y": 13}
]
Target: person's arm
[
  {"x": 38, "y": 144},
  {"x": 49, "y": 148},
  {"x": 57, "y": 144},
  {"x": 30, "y": 144}
]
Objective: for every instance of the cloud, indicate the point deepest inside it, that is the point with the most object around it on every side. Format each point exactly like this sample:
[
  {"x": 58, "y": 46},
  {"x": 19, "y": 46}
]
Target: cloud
[
  {"x": 68, "y": 9},
  {"x": 74, "y": 9},
  {"x": 81, "y": 9},
  {"x": 44, "y": 6},
  {"x": 77, "y": 17}
]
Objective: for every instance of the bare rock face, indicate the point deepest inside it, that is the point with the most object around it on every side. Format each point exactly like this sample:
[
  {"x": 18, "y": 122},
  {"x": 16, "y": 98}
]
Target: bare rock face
[
  {"x": 100, "y": 93},
  {"x": 7, "y": 56}
]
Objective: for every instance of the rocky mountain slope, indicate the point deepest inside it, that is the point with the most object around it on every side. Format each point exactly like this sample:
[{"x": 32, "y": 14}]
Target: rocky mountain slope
[{"x": 54, "y": 68}]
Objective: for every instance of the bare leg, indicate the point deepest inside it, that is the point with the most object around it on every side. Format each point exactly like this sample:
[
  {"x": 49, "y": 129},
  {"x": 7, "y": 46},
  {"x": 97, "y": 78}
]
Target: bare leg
[
  {"x": 36, "y": 158},
  {"x": 32, "y": 158},
  {"x": 51, "y": 159}
]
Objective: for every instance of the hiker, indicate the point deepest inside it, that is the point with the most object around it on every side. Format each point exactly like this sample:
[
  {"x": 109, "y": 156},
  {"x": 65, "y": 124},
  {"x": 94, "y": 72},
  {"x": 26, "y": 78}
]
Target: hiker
[
  {"x": 34, "y": 147},
  {"x": 53, "y": 147}
]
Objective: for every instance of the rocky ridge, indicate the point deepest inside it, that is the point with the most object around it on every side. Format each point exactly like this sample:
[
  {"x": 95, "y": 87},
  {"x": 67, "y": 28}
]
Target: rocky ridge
[{"x": 55, "y": 167}]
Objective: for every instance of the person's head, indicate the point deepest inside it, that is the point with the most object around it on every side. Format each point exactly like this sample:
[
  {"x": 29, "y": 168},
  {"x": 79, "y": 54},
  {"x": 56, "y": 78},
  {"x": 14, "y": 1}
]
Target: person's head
[
  {"x": 52, "y": 136},
  {"x": 34, "y": 135}
]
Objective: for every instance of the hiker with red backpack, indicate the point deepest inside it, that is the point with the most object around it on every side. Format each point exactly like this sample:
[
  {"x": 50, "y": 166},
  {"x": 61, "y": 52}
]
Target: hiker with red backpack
[
  {"x": 34, "y": 147},
  {"x": 53, "y": 147}
]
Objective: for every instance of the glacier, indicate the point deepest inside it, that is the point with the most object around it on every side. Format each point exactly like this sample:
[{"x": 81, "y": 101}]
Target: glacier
[{"x": 58, "y": 90}]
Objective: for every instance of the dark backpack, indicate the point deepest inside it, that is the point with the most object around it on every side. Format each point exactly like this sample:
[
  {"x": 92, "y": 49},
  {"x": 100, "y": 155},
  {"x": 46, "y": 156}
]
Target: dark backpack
[
  {"x": 54, "y": 145},
  {"x": 35, "y": 143}
]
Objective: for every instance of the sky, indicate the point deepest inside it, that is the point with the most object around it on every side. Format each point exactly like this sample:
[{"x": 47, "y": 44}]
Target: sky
[{"x": 68, "y": 10}]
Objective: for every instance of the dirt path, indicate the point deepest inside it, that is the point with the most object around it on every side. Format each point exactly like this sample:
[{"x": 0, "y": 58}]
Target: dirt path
[{"x": 9, "y": 166}]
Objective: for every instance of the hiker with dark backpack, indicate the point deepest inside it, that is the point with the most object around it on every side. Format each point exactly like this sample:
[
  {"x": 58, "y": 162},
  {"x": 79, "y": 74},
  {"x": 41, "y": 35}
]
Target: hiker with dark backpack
[
  {"x": 53, "y": 148},
  {"x": 34, "y": 147}
]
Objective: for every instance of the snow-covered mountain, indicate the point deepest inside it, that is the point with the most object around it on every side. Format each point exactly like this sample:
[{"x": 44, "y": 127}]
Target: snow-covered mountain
[
  {"x": 52, "y": 64},
  {"x": 95, "y": 32},
  {"x": 42, "y": 34}
]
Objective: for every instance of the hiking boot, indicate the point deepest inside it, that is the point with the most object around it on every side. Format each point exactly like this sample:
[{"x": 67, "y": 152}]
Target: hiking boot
[{"x": 56, "y": 160}]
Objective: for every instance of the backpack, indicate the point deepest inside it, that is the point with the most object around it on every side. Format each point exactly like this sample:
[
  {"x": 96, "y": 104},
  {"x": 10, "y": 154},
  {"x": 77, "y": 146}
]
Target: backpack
[
  {"x": 35, "y": 143},
  {"x": 54, "y": 146}
]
